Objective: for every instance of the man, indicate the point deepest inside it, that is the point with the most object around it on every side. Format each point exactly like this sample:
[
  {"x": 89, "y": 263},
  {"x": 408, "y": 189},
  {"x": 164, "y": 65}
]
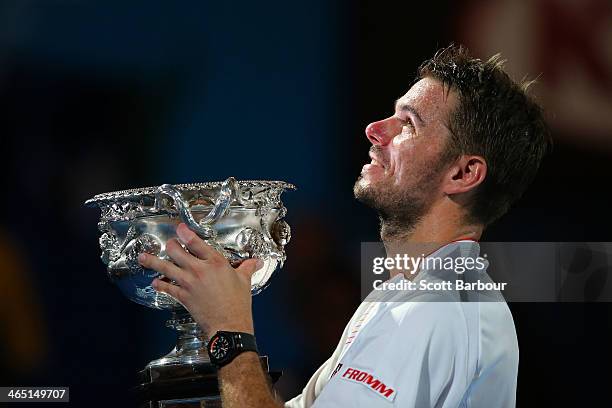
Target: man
[{"x": 462, "y": 145}]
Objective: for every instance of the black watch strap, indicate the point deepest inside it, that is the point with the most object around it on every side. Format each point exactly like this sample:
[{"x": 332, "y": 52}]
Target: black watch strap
[
  {"x": 225, "y": 346},
  {"x": 245, "y": 341}
]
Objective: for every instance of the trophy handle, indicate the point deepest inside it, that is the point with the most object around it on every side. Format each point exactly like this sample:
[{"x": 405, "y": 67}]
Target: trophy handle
[{"x": 229, "y": 190}]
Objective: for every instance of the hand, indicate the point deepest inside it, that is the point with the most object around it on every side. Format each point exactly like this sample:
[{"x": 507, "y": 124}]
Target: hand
[{"x": 217, "y": 295}]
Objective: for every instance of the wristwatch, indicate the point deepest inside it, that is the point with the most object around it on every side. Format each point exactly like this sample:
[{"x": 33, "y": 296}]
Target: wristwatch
[{"x": 225, "y": 346}]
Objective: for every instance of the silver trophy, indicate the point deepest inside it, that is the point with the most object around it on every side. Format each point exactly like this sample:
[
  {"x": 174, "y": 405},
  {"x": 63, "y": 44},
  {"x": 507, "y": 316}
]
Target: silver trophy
[{"x": 241, "y": 219}]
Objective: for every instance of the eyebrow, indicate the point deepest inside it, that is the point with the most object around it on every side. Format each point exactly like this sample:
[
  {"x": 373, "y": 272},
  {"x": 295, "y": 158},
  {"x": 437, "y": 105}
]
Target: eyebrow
[{"x": 405, "y": 107}]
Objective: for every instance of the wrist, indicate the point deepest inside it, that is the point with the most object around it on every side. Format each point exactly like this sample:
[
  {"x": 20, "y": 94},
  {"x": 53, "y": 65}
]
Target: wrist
[{"x": 225, "y": 346}]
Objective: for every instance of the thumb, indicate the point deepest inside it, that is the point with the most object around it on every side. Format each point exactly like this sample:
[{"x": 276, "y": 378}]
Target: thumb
[{"x": 249, "y": 266}]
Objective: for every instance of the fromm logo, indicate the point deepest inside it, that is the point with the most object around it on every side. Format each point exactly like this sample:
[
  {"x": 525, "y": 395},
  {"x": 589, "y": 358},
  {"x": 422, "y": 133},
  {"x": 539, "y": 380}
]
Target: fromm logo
[{"x": 365, "y": 378}]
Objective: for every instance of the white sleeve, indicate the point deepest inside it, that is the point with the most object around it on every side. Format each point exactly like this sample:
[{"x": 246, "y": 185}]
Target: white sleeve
[{"x": 415, "y": 356}]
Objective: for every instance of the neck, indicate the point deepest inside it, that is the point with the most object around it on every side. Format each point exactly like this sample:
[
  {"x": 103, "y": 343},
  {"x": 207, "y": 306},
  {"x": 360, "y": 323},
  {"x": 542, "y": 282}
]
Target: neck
[{"x": 434, "y": 230}]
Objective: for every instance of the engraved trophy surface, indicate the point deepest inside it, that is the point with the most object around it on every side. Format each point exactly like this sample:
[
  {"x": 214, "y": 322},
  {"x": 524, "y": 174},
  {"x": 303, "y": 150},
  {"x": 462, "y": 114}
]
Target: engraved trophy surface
[{"x": 241, "y": 219}]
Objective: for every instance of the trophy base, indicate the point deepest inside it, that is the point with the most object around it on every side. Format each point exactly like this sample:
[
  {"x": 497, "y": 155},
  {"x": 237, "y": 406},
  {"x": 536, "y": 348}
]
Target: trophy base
[{"x": 184, "y": 385}]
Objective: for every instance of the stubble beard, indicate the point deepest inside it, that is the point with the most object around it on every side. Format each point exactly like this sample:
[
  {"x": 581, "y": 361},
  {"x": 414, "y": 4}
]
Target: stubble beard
[{"x": 399, "y": 208}]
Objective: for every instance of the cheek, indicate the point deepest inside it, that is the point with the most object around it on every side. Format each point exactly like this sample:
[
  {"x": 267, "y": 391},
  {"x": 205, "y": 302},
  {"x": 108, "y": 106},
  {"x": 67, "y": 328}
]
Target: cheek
[
  {"x": 403, "y": 160},
  {"x": 410, "y": 158},
  {"x": 403, "y": 139}
]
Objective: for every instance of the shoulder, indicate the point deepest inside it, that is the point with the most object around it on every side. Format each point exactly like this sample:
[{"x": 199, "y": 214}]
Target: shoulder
[
  {"x": 408, "y": 331},
  {"x": 436, "y": 330},
  {"x": 431, "y": 313},
  {"x": 499, "y": 340}
]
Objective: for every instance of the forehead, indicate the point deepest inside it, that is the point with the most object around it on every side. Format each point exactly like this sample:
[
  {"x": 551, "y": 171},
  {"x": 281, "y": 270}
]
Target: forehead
[{"x": 430, "y": 99}]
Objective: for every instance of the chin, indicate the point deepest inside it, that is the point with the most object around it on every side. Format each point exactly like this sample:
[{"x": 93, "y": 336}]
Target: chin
[
  {"x": 362, "y": 183},
  {"x": 365, "y": 190}
]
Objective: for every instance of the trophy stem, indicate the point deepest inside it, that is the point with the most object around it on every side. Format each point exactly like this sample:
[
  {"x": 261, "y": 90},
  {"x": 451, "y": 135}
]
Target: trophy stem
[{"x": 190, "y": 345}]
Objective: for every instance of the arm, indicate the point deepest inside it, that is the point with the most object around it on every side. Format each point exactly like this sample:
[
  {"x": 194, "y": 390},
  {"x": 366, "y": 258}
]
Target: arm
[
  {"x": 244, "y": 384},
  {"x": 218, "y": 297}
]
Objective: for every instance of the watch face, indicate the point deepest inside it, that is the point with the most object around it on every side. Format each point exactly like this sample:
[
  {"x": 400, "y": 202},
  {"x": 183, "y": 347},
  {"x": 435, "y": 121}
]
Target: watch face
[{"x": 219, "y": 347}]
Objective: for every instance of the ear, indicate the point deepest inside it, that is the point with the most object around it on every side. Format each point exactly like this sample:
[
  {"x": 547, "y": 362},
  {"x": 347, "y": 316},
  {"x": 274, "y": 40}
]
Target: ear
[{"x": 465, "y": 175}]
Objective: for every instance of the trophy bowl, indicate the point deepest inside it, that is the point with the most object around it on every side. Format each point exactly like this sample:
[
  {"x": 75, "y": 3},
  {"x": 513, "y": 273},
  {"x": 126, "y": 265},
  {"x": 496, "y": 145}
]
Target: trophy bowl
[{"x": 240, "y": 219}]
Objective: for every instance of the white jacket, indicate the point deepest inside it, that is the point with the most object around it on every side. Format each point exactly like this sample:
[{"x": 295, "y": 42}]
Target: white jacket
[{"x": 420, "y": 350}]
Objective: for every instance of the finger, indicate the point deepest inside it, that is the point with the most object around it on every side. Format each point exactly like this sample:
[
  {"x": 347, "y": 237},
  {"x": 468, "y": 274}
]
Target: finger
[
  {"x": 175, "y": 291},
  {"x": 249, "y": 267},
  {"x": 195, "y": 244},
  {"x": 181, "y": 257},
  {"x": 162, "y": 266}
]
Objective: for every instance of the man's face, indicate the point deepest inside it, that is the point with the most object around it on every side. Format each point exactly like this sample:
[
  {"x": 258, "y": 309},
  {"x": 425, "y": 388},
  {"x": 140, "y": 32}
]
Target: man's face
[{"x": 403, "y": 179}]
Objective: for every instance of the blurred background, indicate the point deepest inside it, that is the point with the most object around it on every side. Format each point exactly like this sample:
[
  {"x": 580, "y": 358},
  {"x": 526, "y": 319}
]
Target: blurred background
[{"x": 102, "y": 96}]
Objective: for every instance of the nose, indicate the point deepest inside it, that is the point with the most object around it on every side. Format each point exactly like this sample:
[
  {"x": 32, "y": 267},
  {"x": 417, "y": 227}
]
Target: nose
[{"x": 381, "y": 132}]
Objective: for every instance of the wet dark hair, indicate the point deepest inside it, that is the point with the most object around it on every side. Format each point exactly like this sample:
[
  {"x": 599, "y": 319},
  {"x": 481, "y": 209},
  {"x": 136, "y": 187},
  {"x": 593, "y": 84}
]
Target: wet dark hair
[{"x": 495, "y": 119}]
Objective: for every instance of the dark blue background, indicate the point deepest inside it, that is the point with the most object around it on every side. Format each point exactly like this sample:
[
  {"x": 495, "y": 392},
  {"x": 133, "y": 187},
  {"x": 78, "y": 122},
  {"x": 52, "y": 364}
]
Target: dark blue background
[{"x": 105, "y": 96}]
